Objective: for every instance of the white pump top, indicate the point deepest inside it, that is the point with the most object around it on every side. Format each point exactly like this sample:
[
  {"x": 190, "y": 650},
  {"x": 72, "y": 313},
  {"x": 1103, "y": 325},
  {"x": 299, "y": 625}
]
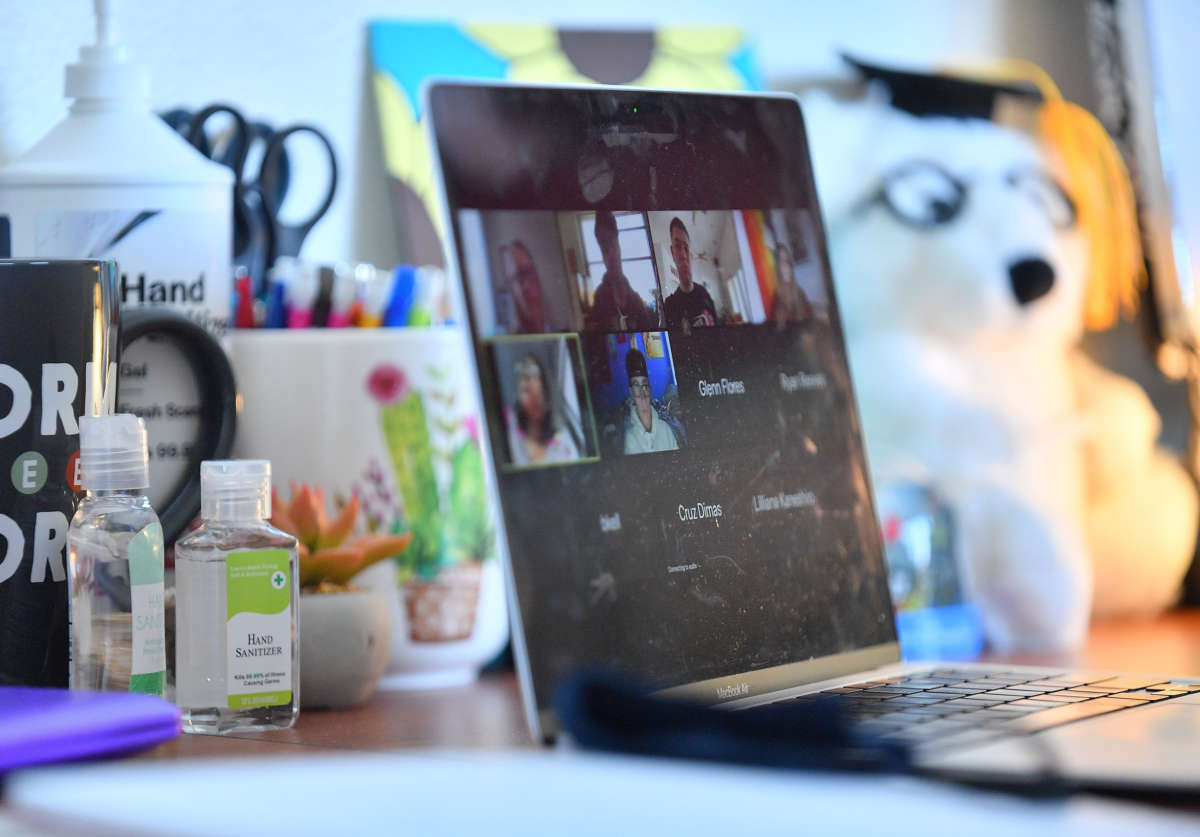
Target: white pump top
[
  {"x": 103, "y": 70},
  {"x": 111, "y": 138}
]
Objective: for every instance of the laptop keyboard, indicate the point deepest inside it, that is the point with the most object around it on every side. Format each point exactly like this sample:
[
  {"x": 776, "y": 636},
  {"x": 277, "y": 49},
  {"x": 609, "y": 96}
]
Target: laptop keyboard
[{"x": 959, "y": 707}]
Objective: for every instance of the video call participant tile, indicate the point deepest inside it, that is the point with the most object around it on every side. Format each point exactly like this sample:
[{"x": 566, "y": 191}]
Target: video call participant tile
[
  {"x": 811, "y": 384},
  {"x": 631, "y": 377},
  {"x": 515, "y": 268},
  {"x": 546, "y": 417},
  {"x": 727, "y": 390},
  {"x": 618, "y": 283},
  {"x": 704, "y": 278},
  {"x": 790, "y": 280}
]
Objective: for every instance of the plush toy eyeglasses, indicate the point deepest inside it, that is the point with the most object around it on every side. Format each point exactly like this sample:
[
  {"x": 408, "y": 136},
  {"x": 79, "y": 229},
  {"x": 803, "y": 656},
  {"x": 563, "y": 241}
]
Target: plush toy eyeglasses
[{"x": 921, "y": 193}]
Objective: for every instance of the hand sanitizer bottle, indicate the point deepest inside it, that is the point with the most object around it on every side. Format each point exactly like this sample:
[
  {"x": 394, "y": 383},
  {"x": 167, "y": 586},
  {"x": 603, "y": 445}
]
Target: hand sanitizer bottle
[
  {"x": 236, "y": 607},
  {"x": 115, "y": 576}
]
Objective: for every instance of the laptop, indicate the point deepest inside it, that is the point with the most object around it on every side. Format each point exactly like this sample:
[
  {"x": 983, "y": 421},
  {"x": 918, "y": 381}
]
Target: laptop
[{"x": 674, "y": 447}]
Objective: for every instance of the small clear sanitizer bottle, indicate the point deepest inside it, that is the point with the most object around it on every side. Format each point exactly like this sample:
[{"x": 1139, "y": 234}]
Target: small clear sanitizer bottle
[
  {"x": 237, "y": 664},
  {"x": 115, "y": 575}
]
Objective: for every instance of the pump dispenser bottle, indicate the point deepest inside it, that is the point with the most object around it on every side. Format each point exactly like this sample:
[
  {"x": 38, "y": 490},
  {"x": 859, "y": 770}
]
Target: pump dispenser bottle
[
  {"x": 236, "y": 607},
  {"x": 115, "y": 568},
  {"x": 112, "y": 181}
]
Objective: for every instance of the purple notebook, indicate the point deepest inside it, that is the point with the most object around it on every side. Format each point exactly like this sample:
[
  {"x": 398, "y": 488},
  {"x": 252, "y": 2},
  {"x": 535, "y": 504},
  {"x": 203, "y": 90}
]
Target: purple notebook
[{"x": 39, "y": 726}]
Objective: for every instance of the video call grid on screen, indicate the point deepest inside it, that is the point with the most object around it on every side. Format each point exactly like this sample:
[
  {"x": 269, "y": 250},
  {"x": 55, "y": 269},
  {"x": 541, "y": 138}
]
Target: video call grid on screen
[
  {"x": 546, "y": 282},
  {"x": 668, "y": 402}
]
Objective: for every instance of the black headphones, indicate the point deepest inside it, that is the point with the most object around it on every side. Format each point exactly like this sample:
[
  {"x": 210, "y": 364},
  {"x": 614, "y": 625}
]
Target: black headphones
[{"x": 218, "y": 402}]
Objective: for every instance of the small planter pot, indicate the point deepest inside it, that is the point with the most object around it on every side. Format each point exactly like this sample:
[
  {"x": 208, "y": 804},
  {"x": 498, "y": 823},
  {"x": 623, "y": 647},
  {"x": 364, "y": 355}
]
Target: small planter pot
[
  {"x": 345, "y": 640},
  {"x": 444, "y": 629},
  {"x": 443, "y": 610}
]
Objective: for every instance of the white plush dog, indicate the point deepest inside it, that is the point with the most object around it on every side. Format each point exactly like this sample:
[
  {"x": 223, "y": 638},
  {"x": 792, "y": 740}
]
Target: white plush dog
[{"x": 961, "y": 274}]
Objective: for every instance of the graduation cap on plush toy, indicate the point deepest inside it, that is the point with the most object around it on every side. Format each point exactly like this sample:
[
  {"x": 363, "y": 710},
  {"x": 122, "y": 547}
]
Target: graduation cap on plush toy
[
  {"x": 1021, "y": 93},
  {"x": 932, "y": 94}
]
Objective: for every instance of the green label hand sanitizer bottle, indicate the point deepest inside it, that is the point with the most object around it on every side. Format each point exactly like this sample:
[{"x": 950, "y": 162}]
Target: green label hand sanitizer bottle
[{"x": 236, "y": 607}]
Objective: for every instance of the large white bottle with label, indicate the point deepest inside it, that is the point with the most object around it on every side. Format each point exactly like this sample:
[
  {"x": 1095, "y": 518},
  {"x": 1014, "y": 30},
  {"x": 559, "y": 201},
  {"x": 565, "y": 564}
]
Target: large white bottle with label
[{"x": 113, "y": 181}]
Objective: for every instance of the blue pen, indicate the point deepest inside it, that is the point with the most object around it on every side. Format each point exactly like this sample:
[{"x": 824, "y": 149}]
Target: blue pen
[
  {"x": 276, "y": 306},
  {"x": 279, "y": 277},
  {"x": 403, "y": 286}
]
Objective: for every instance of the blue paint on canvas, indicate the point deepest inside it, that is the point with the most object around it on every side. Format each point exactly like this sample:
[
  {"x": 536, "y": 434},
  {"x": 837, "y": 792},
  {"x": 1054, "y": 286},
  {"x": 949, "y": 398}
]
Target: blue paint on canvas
[
  {"x": 743, "y": 61},
  {"x": 414, "y": 52}
]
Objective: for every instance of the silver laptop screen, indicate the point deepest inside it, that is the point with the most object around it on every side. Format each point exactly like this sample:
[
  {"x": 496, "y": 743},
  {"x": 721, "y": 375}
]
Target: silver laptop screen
[{"x": 675, "y": 441}]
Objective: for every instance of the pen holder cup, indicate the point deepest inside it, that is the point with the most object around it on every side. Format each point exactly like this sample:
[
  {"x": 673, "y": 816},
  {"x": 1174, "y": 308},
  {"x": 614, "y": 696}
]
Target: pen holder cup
[{"x": 388, "y": 414}]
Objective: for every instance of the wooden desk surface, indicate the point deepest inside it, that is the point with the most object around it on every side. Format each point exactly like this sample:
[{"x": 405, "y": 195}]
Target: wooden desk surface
[
  {"x": 488, "y": 714},
  {"x": 484, "y": 715}
]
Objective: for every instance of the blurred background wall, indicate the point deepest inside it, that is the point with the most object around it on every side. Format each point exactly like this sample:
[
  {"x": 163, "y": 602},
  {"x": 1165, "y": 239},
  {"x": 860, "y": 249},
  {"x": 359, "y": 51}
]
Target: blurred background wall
[{"x": 289, "y": 60}]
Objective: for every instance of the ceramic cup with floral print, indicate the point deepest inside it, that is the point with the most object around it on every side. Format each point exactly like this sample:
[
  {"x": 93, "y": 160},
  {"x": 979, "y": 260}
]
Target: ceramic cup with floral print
[{"x": 388, "y": 415}]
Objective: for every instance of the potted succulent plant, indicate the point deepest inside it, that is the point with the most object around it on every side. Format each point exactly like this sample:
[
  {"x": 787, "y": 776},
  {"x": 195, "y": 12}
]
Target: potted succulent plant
[{"x": 345, "y": 632}]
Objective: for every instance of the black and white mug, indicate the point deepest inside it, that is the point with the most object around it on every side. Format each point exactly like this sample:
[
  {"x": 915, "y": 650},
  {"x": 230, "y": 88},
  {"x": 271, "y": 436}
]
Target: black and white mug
[
  {"x": 58, "y": 361},
  {"x": 60, "y": 342}
]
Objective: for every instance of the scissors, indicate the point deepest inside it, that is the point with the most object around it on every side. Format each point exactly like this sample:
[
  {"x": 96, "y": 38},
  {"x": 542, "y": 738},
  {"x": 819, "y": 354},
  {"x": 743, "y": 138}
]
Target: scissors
[{"x": 259, "y": 234}]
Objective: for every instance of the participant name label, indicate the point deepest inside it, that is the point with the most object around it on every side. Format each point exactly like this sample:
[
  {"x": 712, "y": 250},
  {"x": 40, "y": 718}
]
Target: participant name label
[
  {"x": 783, "y": 501},
  {"x": 700, "y": 511},
  {"x": 725, "y": 386},
  {"x": 801, "y": 381}
]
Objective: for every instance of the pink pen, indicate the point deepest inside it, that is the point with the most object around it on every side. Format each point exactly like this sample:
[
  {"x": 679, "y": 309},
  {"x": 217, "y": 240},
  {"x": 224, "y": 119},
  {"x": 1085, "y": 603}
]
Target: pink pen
[
  {"x": 343, "y": 297},
  {"x": 301, "y": 295}
]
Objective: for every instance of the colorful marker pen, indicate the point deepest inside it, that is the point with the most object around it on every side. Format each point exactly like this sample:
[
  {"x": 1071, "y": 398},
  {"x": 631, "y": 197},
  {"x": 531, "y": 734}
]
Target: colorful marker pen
[
  {"x": 377, "y": 292},
  {"x": 302, "y": 295},
  {"x": 342, "y": 297},
  {"x": 400, "y": 301},
  {"x": 280, "y": 278},
  {"x": 243, "y": 315}
]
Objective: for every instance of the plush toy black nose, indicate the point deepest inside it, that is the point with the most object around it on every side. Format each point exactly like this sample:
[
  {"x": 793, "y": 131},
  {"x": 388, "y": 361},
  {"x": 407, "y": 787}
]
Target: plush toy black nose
[{"x": 1031, "y": 279}]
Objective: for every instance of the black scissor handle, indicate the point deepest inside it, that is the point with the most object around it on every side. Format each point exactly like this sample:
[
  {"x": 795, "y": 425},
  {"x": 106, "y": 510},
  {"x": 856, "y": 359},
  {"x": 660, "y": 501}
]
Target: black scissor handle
[
  {"x": 179, "y": 120},
  {"x": 281, "y": 173},
  {"x": 246, "y": 225},
  {"x": 287, "y": 238},
  {"x": 235, "y": 155}
]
